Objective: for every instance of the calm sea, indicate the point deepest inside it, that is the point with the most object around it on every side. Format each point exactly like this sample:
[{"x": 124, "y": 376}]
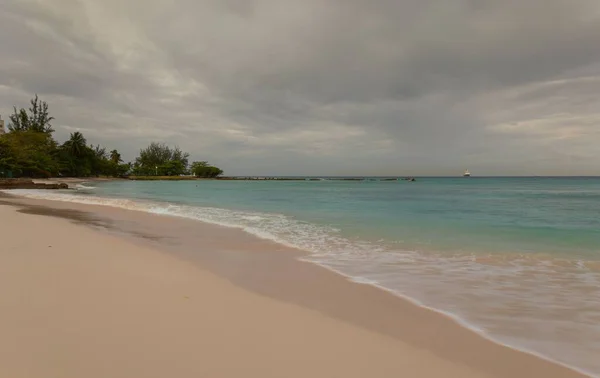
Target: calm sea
[{"x": 517, "y": 259}]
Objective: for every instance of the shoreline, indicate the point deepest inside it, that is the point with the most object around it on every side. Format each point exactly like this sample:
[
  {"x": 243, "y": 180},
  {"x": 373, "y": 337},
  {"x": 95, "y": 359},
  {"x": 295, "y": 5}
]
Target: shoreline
[
  {"x": 116, "y": 309},
  {"x": 526, "y": 363},
  {"x": 75, "y": 180},
  {"x": 460, "y": 322}
]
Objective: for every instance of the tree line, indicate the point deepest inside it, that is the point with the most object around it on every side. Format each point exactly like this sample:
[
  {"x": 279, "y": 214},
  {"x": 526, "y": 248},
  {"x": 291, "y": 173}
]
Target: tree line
[{"x": 29, "y": 149}]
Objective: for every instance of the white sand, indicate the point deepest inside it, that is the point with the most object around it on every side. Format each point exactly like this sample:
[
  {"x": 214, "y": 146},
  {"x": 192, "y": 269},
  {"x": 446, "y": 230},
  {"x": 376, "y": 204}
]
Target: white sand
[{"x": 77, "y": 303}]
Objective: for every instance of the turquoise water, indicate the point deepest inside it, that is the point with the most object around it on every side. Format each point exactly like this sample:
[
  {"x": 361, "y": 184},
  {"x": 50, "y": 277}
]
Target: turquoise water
[
  {"x": 523, "y": 215},
  {"x": 513, "y": 258}
]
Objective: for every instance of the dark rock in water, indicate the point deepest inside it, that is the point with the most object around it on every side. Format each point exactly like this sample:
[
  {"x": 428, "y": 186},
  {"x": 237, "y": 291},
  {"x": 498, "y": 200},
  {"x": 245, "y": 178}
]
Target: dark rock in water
[{"x": 29, "y": 184}]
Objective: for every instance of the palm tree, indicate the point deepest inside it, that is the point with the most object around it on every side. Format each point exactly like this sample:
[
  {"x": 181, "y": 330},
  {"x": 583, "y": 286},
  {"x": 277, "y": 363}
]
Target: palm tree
[
  {"x": 115, "y": 157},
  {"x": 76, "y": 145}
]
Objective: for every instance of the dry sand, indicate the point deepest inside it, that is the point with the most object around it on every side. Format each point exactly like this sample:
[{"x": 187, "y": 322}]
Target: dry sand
[{"x": 78, "y": 302}]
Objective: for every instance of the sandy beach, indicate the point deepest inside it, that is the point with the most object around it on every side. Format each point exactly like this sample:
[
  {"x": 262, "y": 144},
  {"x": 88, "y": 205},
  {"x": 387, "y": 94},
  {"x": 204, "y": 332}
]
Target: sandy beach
[
  {"x": 73, "y": 181},
  {"x": 87, "y": 291}
]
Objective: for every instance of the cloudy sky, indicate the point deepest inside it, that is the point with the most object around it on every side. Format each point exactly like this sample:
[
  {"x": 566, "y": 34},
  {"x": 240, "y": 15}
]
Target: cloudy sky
[{"x": 318, "y": 87}]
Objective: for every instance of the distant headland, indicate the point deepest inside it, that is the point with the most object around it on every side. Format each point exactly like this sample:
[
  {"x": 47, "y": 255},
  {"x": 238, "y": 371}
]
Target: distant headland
[{"x": 29, "y": 150}]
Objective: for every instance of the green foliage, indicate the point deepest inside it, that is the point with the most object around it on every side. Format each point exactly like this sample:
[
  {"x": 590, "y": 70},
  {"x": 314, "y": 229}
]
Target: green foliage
[
  {"x": 158, "y": 159},
  {"x": 29, "y": 150},
  {"x": 115, "y": 157},
  {"x": 6, "y": 156},
  {"x": 37, "y": 120},
  {"x": 28, "y": 153},
  {"x": 76, "y": 146},
  {"x": 79, "y": 160},
  {"x": 121, "y": 170},
  {"x": 203, "y": 169}
]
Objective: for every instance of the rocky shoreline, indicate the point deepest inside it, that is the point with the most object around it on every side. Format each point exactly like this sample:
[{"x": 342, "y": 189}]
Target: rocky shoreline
[{"x": 30, "y": 184}]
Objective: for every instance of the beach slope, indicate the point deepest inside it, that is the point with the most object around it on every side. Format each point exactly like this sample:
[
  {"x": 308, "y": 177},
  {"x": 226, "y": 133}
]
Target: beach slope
[{"x": 76, "y": 302}]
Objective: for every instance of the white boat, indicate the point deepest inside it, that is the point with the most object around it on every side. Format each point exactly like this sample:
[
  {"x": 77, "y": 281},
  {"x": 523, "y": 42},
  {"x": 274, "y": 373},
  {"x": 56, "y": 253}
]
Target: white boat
[{"x": 467, "y": 173}]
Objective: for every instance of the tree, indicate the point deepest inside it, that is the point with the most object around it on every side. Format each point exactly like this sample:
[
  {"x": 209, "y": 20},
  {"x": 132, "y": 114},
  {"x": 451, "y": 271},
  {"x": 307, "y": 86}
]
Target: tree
[
  {"x": 180, "y": 156},
  {"x": 99, "y": 152},
  {"x": 76, "y": 146},
  {"x": 37, "y": 120},
  {"x": 122, "y": 170},
  {"x": 75, "y": 156},
  {"x": 115, "y": 157},
  {"x": 204, "y": 170},
  {"x": 29, "y": 153},
  {"x": 99, "y": 162},
  {"x": 79, "y": 160},
  {"x": 160, "y": 159},
  {"x": 6, "y": 157},
  {"x": 28, "y": 149}
]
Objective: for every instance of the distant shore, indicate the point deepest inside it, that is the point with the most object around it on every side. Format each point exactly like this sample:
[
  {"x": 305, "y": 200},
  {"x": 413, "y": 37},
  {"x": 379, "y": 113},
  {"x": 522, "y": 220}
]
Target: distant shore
[
  {"x": 79, "y": 180},
  {"x": 70, "y": 182},
  {"x": 74, "y": 180},
  {"x": 50, "y": 183},
  {"x": 259, "y": 178},
  {"x": 30, "y": 184}
]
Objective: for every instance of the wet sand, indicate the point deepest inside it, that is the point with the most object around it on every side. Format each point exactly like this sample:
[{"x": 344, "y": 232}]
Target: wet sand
[
  {"x": 307, "y": 320},
  {"x": 72, "y": 181}
]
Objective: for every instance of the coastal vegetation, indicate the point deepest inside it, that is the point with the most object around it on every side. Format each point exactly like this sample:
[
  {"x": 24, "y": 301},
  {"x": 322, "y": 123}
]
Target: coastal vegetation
[
  {"x": 158, "y": 159},
  {"x": 28, "y": 149},
  {"x": 205, "y": 170}
]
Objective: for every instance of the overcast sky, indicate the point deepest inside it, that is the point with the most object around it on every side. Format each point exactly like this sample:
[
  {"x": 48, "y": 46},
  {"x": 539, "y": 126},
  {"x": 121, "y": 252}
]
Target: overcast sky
[{"x": 318, "y": 87}]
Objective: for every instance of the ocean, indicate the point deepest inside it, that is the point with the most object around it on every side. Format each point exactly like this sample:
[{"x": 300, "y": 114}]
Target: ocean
[{"x": 515, "y": 259}]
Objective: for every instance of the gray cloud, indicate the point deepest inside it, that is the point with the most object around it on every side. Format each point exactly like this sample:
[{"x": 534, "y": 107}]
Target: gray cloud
[{"x": 319, "y": 87}]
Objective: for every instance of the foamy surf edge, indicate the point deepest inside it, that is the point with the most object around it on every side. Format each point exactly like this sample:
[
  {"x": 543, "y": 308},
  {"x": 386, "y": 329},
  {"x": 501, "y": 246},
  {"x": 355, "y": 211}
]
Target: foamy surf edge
[
  {"x": 457, "y": 319},
  {"x": 169, "y": 209},
  {"x": 83, "y": 187}
]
